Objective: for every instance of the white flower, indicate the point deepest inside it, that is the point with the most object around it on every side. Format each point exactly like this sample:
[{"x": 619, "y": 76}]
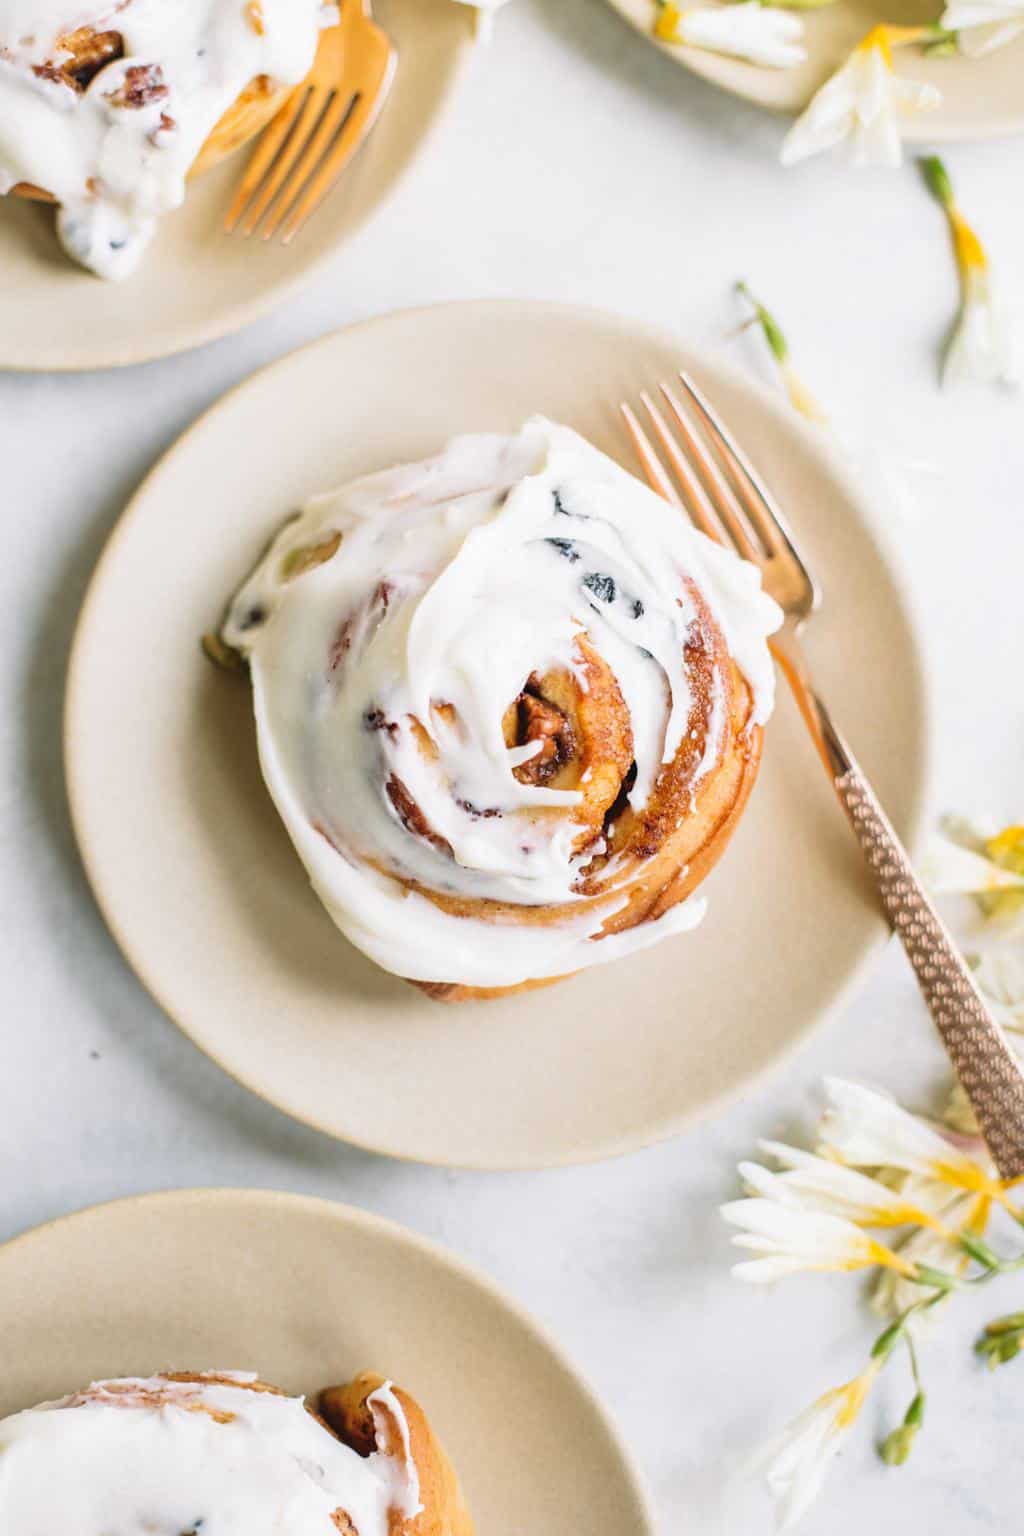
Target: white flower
[
  {"x": 862, "y": 103},
  {"x": 796, "y": 1462},
  {"x": 792, "y": 1241},
  {"x": 821, "y": 1184},
  {"x": 758, "y": 33},
  {"x": 1000, "y": 975},
  {"x": 979, "y": 347},
  {"x": 869, "y": 1130},
  {"x": 983, "y": 24},
  {"x": 966, "y": 860},
  {"x": 950, "y": 869}
]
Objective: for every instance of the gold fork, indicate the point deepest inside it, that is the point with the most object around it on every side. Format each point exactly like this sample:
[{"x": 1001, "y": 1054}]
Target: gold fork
[
  {"x": 304, "y": 149},
  {"x": 716, "y": 486}
]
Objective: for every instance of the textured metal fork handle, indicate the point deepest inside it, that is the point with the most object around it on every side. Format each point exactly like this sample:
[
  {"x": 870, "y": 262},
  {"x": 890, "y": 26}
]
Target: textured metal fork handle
[{"x": 988, "y": 1068}]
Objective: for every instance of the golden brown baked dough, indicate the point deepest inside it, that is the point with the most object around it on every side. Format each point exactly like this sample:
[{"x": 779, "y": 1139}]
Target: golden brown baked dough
[
  {"x": 444, "y": 1511},
  {"x": 664, "y": 852}
]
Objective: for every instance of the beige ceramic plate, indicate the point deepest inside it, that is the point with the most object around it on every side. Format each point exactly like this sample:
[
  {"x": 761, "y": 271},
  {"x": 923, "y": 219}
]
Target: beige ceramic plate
[
  {"x": 309, "y": 1293},
  {"x": 197, "y": 284},
  {"x": 201, "y": 886},
  {"x": 981, "y": 98}
]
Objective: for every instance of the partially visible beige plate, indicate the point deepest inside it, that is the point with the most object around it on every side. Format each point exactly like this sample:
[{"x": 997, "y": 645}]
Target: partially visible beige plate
[
  {"x": 196, "y": 283},
  {"x": 981, "y": 98},
  {"x": 199, "y": 882},
  {"x": 309, "y": 1293}
]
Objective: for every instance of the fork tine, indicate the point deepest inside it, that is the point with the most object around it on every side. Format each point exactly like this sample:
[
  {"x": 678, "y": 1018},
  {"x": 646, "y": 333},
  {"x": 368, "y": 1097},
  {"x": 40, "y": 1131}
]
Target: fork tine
[
  {"x": 710, "y": 481},
  {"x": 311, "y": 107},
  {"x": 263, "y": 156},
  {"x": 361, "y": 117},
  {"x": 653, "y": 468},
  {"x": 331, "y": 119},
  {"x": 757, "y": 500},
  {"x": 695, "y": 501}
]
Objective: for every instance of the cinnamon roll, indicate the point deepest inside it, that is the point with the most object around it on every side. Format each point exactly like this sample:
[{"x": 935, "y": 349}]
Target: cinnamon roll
[
  {"x": 509, "y": 706},
  {"x": 216, "y": 1453},
  {"x": 107, "y": 105}
]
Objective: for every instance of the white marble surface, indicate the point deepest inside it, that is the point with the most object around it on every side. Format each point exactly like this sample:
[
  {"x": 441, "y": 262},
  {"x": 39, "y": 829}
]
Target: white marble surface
[{"x": 579, "y": 165}]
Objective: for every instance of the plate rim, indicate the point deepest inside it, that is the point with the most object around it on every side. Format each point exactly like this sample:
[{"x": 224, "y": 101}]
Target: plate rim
[
  {"x": 826, "y": 449},
  {"x": 915, "y": 131},
  {"x": 229, "y": 322},
  {"x": 386, "y": 1227}
]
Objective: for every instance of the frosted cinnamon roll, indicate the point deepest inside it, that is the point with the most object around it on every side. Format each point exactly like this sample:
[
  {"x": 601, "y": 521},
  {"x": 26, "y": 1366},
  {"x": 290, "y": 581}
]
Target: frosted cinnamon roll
[
  {"x": 214, "y": 1454},
  {"x": 509, "y": 707},
  {"x": 106, "y": 105}
]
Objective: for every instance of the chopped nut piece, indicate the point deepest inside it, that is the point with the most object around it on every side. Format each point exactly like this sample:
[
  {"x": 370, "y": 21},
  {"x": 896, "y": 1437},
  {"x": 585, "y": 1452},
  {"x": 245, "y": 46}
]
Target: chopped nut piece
[
  {"x": 142, "y": 85},
  {"x": 224, "y": 656},
  {"x": 298, "y": 561}
]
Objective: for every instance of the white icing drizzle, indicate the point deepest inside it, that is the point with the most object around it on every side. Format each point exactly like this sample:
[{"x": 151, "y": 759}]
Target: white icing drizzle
[
  {"x": 454, "y": 580},
  {"x": 108, "y": 1462},
  {"x": 116, "y": 167}
]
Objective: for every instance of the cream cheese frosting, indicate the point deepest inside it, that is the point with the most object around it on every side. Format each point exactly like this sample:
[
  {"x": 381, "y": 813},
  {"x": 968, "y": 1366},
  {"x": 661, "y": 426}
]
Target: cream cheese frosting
[
  {"x": 115, "y": 156},
  {"x": 440, "y": 588},
  {"x": 152, "y": 1457}
]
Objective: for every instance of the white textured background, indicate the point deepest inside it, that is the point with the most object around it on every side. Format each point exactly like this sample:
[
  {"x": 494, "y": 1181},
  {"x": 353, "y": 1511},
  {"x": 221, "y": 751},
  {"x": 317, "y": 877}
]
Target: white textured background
[{"x": 578, "y": 165}]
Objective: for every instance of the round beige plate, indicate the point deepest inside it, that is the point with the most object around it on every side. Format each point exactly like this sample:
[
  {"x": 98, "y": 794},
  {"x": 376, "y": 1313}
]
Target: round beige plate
[
  {"x": 981, "y": 98},
  {"x": 309, "y": 1293},
  {"x": 201, "y": 886},
  {"x": 196, "y": 283}
]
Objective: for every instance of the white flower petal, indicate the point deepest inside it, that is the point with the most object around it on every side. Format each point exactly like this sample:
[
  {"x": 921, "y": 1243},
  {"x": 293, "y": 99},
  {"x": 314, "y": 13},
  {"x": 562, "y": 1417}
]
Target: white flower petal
[
  {"x": 982, "y": 40},
  {"x": 949, "y": 869},
  {"x": 808, "y": 1239},
  {"x": 825, "y": 122},
  {"x": 822, "y": 1184},
  {"x": 863, "y": 103},
  {"x": 759, "y": 33},
  {"x": 984, "y": 25},
  {"x": 967, "y": 833},
  {"x": 795, "y": 1462},
  {"x": 767, "y": 1271},
  {"x": 1000, "y": 975},
  {"x": 869, "y": 1130},
  {"x": 761, "y": 1181},
  {"x": 980, "y": 347}
]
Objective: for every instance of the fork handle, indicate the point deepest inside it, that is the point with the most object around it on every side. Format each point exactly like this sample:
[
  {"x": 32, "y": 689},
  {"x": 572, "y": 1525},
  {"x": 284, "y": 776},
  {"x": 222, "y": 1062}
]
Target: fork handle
[{"x": 991, "y": 1074}]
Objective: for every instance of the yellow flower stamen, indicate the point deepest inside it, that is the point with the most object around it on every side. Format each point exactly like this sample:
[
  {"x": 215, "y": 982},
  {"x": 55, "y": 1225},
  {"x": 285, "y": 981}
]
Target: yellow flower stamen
[
  {"x": 887, "y": 1259},
  {"x": 910, "y": 1216},
  {"x": 977, "y": 1221},
  {"x": 976, "y": 1181},
  {"x": 1006, "y": 850},
  {"x": 878, "y": 38},
  {"x": 970, "y": 253},
  {"x": 666, "y": 25},
  {"x": 885, "y": 38},
  {"x": 852, "y": 1396}
]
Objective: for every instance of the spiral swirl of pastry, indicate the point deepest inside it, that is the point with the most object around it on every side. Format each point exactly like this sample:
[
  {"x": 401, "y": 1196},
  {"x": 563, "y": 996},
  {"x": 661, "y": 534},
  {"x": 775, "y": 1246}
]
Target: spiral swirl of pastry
[{"x": 508, "y": 702}]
